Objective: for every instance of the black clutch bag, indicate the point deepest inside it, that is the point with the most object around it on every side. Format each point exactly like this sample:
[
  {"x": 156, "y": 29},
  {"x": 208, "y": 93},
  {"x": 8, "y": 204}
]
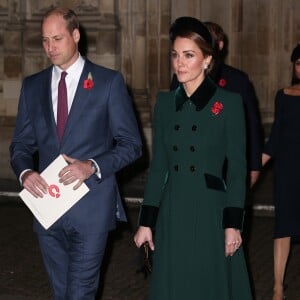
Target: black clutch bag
[
  {"x": 147, "y": 260},
  {"x": 146, "y": 268}
]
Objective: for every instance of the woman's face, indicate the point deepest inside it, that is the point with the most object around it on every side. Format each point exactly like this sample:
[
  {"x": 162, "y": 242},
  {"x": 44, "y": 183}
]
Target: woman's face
[
  {"x": 297, "y": 68},
  {"x": 189, "y": 62}
]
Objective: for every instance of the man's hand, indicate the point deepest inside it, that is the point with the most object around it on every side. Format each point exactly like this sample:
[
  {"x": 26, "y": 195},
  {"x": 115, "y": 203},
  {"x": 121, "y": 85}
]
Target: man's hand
[
  {"x": 77, "y": 170},
  {"x": 34, "y": 184}
]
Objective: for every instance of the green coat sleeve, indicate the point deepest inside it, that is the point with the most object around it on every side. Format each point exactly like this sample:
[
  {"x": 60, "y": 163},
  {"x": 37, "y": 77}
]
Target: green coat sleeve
[
  {"x": 158, "y": 170},
  {"x": 233, "y": 214}
]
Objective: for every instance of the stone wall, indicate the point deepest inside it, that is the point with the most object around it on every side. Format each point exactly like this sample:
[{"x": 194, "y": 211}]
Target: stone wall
[{"x": 132, "y": 37}]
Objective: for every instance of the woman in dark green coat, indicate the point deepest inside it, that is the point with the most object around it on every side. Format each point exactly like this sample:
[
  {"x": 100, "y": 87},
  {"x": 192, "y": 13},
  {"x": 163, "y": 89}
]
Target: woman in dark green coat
[{"x": 197, "y": 217}]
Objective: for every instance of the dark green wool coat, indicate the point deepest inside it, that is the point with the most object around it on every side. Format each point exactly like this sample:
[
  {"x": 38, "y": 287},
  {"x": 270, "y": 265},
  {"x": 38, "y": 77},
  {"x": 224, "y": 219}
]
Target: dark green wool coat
[{"x": 186, "y": 200}]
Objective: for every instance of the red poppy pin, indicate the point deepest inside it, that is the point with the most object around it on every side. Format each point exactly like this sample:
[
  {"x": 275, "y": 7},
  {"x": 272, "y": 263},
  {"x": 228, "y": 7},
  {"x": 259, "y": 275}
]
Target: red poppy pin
[
  {"x": 222, "y": 82},
  {"x": 217, "y": 108},
  {"x": 88, "y": 83}
]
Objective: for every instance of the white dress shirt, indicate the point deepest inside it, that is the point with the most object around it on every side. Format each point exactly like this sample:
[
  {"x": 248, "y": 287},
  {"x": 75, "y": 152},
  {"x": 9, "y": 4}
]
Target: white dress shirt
[{"x": 72, "y": 79}]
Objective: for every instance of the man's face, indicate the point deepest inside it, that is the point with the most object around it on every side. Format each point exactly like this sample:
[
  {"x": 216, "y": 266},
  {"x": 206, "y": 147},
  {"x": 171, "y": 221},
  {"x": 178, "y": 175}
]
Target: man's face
[{"x": 59, "y": 44}]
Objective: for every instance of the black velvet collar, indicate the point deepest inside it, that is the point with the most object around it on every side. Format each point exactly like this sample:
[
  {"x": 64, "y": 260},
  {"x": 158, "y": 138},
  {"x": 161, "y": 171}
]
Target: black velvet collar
[{"x": 200, "y": 97}]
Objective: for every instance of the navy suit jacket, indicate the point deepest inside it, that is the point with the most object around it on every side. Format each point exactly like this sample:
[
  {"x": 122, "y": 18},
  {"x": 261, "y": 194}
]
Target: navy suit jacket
[
  {"x": 101, "y": 126},
  {"x": 238, "y": 81}
]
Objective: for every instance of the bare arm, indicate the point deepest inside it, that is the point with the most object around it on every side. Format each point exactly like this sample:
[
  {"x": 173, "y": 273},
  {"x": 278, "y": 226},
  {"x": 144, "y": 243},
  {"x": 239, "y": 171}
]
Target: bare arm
[
  {"x": 253, "y": 177},
  {"x": 265, "y": 158}
]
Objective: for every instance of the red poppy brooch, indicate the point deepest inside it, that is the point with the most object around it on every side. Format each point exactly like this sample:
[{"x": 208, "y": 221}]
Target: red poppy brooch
[
  {"x": 222, "y": 82},
  {"x": 88, "y": 83},
  {"x": 217, "y": 108}
]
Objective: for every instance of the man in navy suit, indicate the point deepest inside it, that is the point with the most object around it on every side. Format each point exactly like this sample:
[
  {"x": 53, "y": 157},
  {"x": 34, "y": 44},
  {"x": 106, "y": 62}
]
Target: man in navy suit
[
  {"x": 99, "y": 138},
  {"x": 237, "y": 81}
]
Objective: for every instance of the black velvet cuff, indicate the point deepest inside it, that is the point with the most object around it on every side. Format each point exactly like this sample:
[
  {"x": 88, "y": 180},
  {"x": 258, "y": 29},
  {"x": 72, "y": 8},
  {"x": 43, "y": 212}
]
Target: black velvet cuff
[
  {"x": 148, "y": 216},
  {"x": 233, "y": 217}
]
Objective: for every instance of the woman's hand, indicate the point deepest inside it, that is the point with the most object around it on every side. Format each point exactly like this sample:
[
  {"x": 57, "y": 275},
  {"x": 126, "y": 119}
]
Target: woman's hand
[
  {"x": 144, "y": 234},
  {"x": 233, "y": 241}
]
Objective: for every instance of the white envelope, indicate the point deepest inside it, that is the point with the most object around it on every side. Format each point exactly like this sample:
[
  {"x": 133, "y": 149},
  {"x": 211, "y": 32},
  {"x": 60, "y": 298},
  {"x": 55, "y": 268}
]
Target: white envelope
[{"x": 59, "y": 199}]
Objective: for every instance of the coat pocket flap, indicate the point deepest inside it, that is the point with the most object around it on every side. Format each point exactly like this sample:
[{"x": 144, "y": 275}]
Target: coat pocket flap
[{"x": 214, "y": 182}]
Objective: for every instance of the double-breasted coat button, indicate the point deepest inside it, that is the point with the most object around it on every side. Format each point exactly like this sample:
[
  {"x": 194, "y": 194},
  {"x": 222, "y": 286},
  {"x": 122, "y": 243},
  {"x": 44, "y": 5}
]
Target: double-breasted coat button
[
  {"x": 175, "y": 148},
  {"x": 192, "y": 148},
  {"x": 176, "y": 168},
  {"x": 177, "y": 127},
  {"x": 192, "y": 168},
  {"x": 194, "y": 127}
]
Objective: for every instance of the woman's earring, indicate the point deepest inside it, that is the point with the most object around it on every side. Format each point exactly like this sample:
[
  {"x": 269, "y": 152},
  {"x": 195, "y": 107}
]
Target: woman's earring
[{"x": 205, "y": 66}]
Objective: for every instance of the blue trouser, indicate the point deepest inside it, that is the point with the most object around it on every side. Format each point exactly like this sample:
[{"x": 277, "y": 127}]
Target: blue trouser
[{"x": 72, "y": 261}]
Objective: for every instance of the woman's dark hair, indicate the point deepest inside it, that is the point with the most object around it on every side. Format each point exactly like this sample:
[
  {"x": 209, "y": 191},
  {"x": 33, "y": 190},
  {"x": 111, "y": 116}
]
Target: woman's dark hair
[
  {"x": 295, "y": 56},
  {"x": 183, "y": 25},
  {"x": 195, "y": 30},
  {"x": 218, "y": 36}
]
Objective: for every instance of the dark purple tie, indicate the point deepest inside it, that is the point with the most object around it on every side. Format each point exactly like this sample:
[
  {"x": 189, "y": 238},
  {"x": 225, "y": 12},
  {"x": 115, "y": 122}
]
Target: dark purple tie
[{"x": 62, "y": 105}]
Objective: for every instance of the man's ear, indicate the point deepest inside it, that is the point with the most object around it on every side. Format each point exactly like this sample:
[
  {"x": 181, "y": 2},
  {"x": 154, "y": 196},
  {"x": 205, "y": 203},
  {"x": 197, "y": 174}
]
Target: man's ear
[
  {"x": 221, "y": 45},
  {"x": 76, "y": 35}
]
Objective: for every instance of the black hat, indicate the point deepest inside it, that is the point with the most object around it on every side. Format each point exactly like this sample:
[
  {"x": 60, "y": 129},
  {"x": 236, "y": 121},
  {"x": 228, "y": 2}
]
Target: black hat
[
  {"x": 296, "y": 53},
  {"x": 183, "y": 24}
]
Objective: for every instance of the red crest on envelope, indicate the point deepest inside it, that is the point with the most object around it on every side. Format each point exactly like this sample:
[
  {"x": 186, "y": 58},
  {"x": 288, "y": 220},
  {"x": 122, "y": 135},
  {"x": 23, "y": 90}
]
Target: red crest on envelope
[{"x": 54, "y": 191}]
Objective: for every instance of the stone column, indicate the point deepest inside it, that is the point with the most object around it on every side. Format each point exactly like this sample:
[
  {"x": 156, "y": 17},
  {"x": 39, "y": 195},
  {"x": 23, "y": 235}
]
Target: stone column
[
  {"x": 11, "y": 37},
  {"x": 12, "y": 58},
  {"x": 145, "y": 61}
]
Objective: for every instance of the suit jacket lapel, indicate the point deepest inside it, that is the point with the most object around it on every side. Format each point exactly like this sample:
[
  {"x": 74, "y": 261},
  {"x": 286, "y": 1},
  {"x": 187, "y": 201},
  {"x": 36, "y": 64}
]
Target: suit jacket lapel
[
  {"x": 80, "y": 101},
  {"x": 46, "y": 94}
]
